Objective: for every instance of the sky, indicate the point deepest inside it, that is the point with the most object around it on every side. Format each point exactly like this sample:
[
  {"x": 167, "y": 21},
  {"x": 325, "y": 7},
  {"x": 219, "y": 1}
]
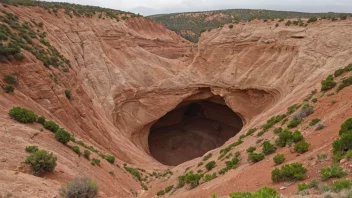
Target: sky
[{"x": 149, "y": 7}]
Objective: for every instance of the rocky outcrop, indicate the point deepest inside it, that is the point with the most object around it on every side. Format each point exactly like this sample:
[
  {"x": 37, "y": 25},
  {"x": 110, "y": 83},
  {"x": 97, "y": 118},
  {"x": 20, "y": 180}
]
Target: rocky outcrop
[{"x": 126, "y": 75}]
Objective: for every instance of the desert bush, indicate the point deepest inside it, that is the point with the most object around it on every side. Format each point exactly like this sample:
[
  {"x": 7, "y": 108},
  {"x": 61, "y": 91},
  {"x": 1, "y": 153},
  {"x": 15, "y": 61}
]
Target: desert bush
[
  {"x": 297, "y": 136},
  {"x": 200, "y": 163},
  {"x": 134, "y": 172},
  {"x": 31, "y": 149},
  {"x": 86, "y": 154},
  {"x": 9, "y": 88},
  {"x": 312, "y": 20},
  {"x": 169, "y": 188},
  {"x": 301, "y": 147},
  {"x": 289, "y": 172},
  {"x": 210, "y": 165},
  {"x": 321, "y": 157},
  {"x": 292, "y": 109},
  {"x": 41, "y": 120},
  {"x": 314, "y": 184},
  {"x": 23, "y": 115},
  {"x": 265, "y": 192},
  {"x": 314, "y": 100},
  {"x": 110, "y": 159},
  {"x": 278, "y": 130},
  {"x": 10, "y": 79},
  {"x": 160, "y": 193},
  {"x": 328, "y": 83},
  {"x": 340, "y": 185},
  {"x": 343, "y": 16},
  {"x": 51, "y": 126},
  {"x": 237, "y": 154},
  {"x": 255, "y": 157},
  {"x": 320, "y": 126},
  {"x": 19, "y": 56},
  {"x": 272, "y": 121},
  {"x": 95, "y": 162},
  {"x": 68, "y": 94},
  {"x": 192, "y": 179},
  {"x": 268, "y": 148},
  {"x": 41, "y": 161},
  {"x": 334, "y": 171},
  {"x": 233, "y": 163},
  {"x": 251, "y": 149},
  {"x": 346, "y": 126},
  {"x": 345, "y": 83},
  {"x": 314, "y": 121},
  {"x": 305, "y": 111},
  {"x": 80, "y": 188},
  {"x": 285, "y": 138},
  {"x": 209, "y": 177},
  {"x": 76, "y": 150},
  {"x": 279, "y": 159},
  {"x": 251, "y": 131},
  {"x": 205, "y": 158},
  {"x": 343, "y": 144},
  {"x": 294, "y": 123},
  {"x": 339, "y": 72},
  {"x": 302, "y": 186},
  {"x": 62, "y": 136}
]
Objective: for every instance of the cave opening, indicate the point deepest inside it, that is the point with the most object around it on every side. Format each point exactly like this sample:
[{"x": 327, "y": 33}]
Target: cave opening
[{"x": 192, "y": 129}]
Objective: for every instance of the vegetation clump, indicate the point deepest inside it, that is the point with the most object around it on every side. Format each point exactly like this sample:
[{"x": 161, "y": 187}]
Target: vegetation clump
[
  {"x": 51, "y": 126},
  {"x": 23, "y": 115},
  {"x": 328, "y": 83},
  {"x": 301, "y": 147},
  {"x": 95, "y": 162},
  {"x": 334, "y": 171},
  {"x": 289, "y": 172},
  {"x": 279, "y": 159},
  {"x": 110, "y": 159},
  {"x": 210, "y": 165},
  {"x": 134, "y": 172},
  {"x": 255, "y": 157},
  {"x": 264, "y": 192},
  {"x": 314, "y": 121},
  {"x": 76, "y": 150},
  {"x": 62, "y": 136},
  {"x": 31, "y": 149},
  {"x": 268, "y": 148},
  {"x": 80, "y": 188},
  {"x": 205, "y": 158},
  {"x": 41, "y": 161}
]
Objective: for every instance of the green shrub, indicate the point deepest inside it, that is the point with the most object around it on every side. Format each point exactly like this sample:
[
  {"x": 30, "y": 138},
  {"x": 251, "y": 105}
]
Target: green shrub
[
  {"x": 340, "y": 185},
  {"x": 110, "y": 159},
  {"x": 251, "y": 149},
  {"x": 160, "y": 193},
  {"x": 334, "y": 171},
  {"x": 297, "y": 136},
  {"x": 19, "y": 56},
  {"x": 237, "y": 154},
  {"x": 96, "y": 162},
  {"x": 314, "y": 121},
  {"x": 278, "y": 130},
  {"x": 255, "y": 157},
  {"x": 292, "y": 109},
  {"x": 346, "y": 126},
  {"x": 343, "y": 144},
  {"x": 181, "y": 181},
  {"x": 134, "y": 172},
  {"x": 314, "y": 100},
  {"x": 23, "y": 115},
  {"x": 200, "y": 163},
  {"x": 41, "y": 120},
  {"x": 328, "y": 83},
  {"x": 209, "y": 177},
  {"x": 322, "y": 157},
  {"x": 205, "y": 158},
  {"x": 62, "y": 136},
  {"x": 279, "y": 159},
  {"x": 343, "y": 16},
  {"x": 294, "y": 123},
  {"x": 285, "y": 138},
  {"x": 68, "y": 94},
  {"x": 51, "y": 126},
  {"x": 302, "y": 186},
  {"x": 312, "y": 20},
  {"x": 262, "y": 193},
  {"x": 192, "y": 179},
  {"x": 339, "y": 72},
  {"x": 41, "y": 161},
  {"x": 289, "y": 172},
  {"x": 251, "y": 131},
  {"x": 301, "y": 147},
  {"x": 268, "y": 148},
  {"x": 314, "y": 184},
  {"x": 210, "y": 165},
  {"x": 345, "y": 83},
  {"x": 9, "y": 88},
  {"x": 10, "y": 79},
  {"x": 233, "y": 163},
  {"x": 86, "y": 154},
  {"x": 169, "y": 188},
  {"x": 80, "y": 188},
  {"x": 31, "y": 149},
  {"x": 76, "y": 150},
  {"x": 272, "y": 121}
]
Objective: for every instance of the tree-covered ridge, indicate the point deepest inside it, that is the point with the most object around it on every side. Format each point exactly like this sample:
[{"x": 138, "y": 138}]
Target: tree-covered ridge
[{"x": 198, "y": 22}]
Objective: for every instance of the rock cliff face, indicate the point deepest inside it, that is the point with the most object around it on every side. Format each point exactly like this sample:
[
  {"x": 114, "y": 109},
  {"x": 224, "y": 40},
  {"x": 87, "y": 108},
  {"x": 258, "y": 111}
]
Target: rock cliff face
[{"x": 127, "y": 75}]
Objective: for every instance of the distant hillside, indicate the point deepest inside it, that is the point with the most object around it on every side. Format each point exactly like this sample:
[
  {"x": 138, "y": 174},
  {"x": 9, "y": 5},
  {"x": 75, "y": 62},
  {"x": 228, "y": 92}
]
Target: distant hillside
[{"x": 190, "y": 25}]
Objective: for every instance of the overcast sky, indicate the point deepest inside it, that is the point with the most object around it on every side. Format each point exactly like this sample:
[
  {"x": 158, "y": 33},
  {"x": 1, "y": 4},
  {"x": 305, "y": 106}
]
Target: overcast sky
[{"x": 148, "y": 7}]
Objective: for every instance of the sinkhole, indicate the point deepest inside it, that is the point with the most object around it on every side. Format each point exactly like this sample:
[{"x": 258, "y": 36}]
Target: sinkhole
[{"x": 192, "y": 129}]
